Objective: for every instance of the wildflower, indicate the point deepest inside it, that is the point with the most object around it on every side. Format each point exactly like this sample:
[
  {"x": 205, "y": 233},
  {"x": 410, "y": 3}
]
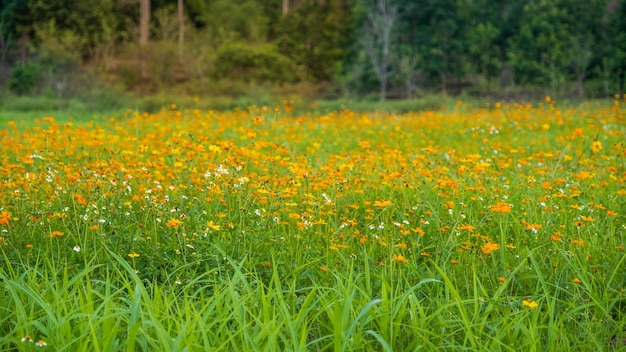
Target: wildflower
[
  {"x": 133, "y": 255},
  {"x": 530, "y": 304},
  {"x": 54, "y": 234},
  {"x": 400, "y": 258},
  {"x": 212, "y": 225},
  {"x": 425, "y": 254},
  {"x": 80, "y": 199},
  {"x": 41, "y": 343},
  {"x": 5, "y": 217},
  {"x": 324, "y": 269},
  {"x": 596, "y": 146},
  {"x": 418, "y": 231},
  {"x": 382, "y": 203},
  {"x": 29, "y": 246},
  {"x": 489, "y": 247},
  {"x": 27, "y": 338},
  {"x": 578, "y": 242},
  {"x": 501, "y": 279},
  {"x": 454, "y": 261},
  {"x": 576, "y": 280},
  {"x": 466, "y": 227},
  {"x": 174, "y": 223},
  {"x": 501, "y": 207},
  {"x": 76, "y": 248}
]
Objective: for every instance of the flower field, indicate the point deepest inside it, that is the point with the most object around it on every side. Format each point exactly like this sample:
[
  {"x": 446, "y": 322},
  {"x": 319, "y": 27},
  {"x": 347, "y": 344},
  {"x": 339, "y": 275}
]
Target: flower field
[{"x": 499, "y": 228}]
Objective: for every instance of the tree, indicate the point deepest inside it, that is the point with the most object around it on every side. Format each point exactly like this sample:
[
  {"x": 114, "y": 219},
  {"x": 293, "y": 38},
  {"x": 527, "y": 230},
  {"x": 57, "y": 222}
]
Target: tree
[
  {"x": 16, "y": 27},
  {"x": 314, "y": 36},
  {"x": 181, "y": 29},
  {"x": 144, "y": 35},
  {"x": 381, "y": 15},
  {"x": 539, "y": 51}
]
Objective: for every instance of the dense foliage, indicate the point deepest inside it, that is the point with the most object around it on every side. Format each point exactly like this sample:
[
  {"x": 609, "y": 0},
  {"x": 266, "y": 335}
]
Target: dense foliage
[{"x": 398, "y": 48}]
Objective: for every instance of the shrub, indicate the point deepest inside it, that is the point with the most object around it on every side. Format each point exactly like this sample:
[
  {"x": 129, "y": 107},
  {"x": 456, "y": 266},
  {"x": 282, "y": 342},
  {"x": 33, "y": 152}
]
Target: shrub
[
  {"x": 25, "y": 78},
  {"x": 245, "y": 62}
]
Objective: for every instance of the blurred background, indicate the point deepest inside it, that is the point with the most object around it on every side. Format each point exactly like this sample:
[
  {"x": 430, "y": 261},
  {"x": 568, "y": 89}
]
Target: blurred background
[{"x": 106, "y": 54}]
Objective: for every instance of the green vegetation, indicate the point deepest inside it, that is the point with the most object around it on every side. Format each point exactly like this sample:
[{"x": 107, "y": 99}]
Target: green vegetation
[{"x": 491, "y": 228}]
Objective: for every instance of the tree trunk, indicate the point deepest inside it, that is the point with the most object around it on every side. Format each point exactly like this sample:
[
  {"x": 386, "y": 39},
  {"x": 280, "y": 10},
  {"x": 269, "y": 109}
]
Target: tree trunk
[
  {"x": 285, "y": 6},
  {"x": 144, "y": 35},
  {"x": 181, "y": 29}
]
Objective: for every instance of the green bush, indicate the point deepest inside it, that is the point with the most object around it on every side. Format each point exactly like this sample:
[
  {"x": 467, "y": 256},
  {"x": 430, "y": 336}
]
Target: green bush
[
  {"x": 248, "y": 63},
  {"x": 25, "y": 78}
]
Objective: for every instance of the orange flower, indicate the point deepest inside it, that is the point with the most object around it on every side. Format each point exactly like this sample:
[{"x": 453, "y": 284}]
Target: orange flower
[
  {"x": 174, "y": 223},
  {"x": 54, "y": 234},
  {"x": 489, "y": 247},
  {"x": 501, "y": 207},
  {"x": 382, "y": 203},
  {"x": 576, "y": 280},
  {"x": 400, "y": 258},
  {"x": 80, "y": 199},
  {"x": 5, "y": 217},
  {"x": 466, "y": 227}
]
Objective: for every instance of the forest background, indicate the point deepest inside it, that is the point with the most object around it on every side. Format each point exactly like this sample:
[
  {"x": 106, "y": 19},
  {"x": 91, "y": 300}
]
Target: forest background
[{"x": 101, "y": 55}]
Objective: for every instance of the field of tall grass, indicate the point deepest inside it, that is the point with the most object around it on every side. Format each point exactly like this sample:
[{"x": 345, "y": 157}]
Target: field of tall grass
[{"x": 486, "y": 228}]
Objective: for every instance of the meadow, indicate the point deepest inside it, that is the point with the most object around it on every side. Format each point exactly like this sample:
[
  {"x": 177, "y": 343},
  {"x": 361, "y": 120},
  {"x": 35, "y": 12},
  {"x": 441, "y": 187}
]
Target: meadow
[{"x": 498, "y": 227}]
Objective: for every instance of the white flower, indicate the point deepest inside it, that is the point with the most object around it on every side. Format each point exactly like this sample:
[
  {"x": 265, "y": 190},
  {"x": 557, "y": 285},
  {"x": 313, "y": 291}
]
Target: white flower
[{"x": 77, "y": 248}]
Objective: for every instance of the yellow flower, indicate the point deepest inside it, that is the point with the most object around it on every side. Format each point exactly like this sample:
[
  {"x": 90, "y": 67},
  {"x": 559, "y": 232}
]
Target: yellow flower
[
  {"x": 133, "y": 255},
  {"x": 530, "y": 303},
  {"x": 576, "y": 280},
  {"x": 212, "y": 225},
  {"x": 596, "y": 146}
]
